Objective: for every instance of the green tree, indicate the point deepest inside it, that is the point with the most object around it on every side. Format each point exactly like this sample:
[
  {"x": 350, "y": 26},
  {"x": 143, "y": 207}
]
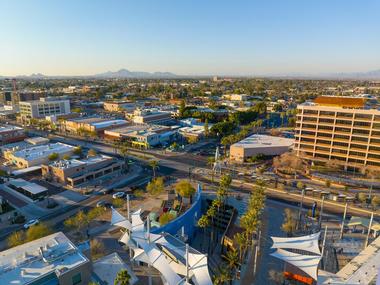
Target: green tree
[
  {"x": 184, "y": 188},
  {"x": 156, "y": 186},
  {"x": 67, "y": 157},
  {"x": 232, "y": 259},
  {"x": 78, "y": 151},
  {"x": 92, "y": 152},
  {"x": 290, "y": 223},
  {"x": 362, "y": 197},
  {"x": 53, "y": 156},
  {"x": 37, "y": 231},
  {"x": 118, "y": 202},
  {"x": 122, "y": 278},
  {"x": 375, "y": 202},
  {"x": 206, "y": 128},
  {"x": 165, "y": 218},
  {"x": 97, "y": 249},
  {"x": 16, "y": 238},
  {"x": 182, "y": 108},
  {"x": 154, "y": 165}
]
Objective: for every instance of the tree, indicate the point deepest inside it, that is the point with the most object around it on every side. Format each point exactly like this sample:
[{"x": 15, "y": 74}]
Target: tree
[
  {"x": 362, "y": 197},
  {"x": 184, "y": 188},
  {"x": 223, "y": 277},
  {"x": 182, "y": 108},
  {"x": 77, "y": 222},
  {"x": 282, "y": 116},
  {"x": 206, "y": 128},
  {"x": 118, "y": 202},
  {"x": 300, "y": 185},
  {"x": 232, "y": 258},
  {"x": 67, "y": 157},
  {"x": 37, "y": 231},
  {"x": 16, "y": 238},
  {"x": 97, "y": 249},
  {"x": 78, "y": 151},
  {"x": 53, "y": 156},
  {"x": 290, "y": 223},
  {"x": 156, "y": 186},
  {"x": 375, "y": 202},
  {"x": 122, "y": 278},
  {"x": 260, "y": 107},
  {"x": 92, "y": 152},
  {"x": 154, "y": 165},
  {"x": 166, "y": 218}
]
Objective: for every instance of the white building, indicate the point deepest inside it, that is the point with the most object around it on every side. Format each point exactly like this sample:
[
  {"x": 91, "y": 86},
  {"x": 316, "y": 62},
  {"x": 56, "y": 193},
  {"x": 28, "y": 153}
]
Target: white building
[
  {"x": 37, "y": 155},
  {"x": 53, "y": 259},
  {"x": 259, "y": 144},
  {"x": 44, "y": 107},
  {"x": 150, "y": 116}
]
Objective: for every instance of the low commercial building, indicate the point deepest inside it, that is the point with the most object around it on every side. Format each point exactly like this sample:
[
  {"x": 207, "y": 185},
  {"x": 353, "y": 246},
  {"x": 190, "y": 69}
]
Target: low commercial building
[
  {"x": 152, "y": 116},
  {"x": 119, "y": 106},
  {"x": 53, "y": 259},
  {"x": 8, "y": 149},
  {"x": 37, "y": 155},
  {"x": 30, "y": 190},
  {"x": 91, "y": 124},
  {"x": 38, "y": 109},
  {"x": 193, "y": 133},
  {"x": 259, "y": 144},
  {"x": 10, "y": 134},
  {"x": 143, "y": 135},
  {"x": 75, "y": 172}
]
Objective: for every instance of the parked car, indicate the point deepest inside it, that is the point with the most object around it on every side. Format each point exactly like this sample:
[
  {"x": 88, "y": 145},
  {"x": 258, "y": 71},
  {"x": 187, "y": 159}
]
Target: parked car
[
  {"x": 31, "y": 223},
  {"x": 101, "y": 204},
  {"x": 118, "y": 195}
]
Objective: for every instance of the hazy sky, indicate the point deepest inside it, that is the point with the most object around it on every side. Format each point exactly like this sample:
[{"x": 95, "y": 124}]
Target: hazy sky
[{"x": 232, "y": 37}]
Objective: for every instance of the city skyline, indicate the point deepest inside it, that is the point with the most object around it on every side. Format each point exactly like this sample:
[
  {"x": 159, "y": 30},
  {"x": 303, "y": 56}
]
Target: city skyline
[{"x": 243, "y": 38}]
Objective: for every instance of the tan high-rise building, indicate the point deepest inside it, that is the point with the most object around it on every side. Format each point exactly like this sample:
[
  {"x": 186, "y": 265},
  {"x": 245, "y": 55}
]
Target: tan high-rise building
[{"x": 342, "y": 129}]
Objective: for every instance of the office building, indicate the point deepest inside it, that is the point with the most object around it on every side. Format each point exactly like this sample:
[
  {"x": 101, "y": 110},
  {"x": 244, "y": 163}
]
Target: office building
[
  {"x": 259, "y": 144},
  {"x": 44, "y": 107},
  {"x": 37, "y": 155},
  {"x": 343, "y": 129},
  {"x": 75, "y": 172},
  {"x": 53, "y": 259},
  {"x": 119, "y": 106},
  {"x": 11, "y": 134},
  {"x": 152, "y": 116}
]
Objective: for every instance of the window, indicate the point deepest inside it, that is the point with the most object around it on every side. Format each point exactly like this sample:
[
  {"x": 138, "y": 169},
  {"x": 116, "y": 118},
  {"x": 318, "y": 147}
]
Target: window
[{"x": 77, "y": 279}]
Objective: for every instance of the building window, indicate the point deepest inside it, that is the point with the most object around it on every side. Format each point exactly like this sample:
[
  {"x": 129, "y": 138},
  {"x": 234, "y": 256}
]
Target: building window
[{"x": 77, "y": 279}]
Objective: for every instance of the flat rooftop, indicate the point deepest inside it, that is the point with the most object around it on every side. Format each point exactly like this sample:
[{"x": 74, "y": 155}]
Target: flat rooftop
[
  {"x": 133, "y": 129},
  {"x": 8, "y": 128},
  {"x": 109, "y": 123},
  {"x": 26, "y": 263},
  {"x": 64, "y": 164},
  {"x": 32, "y": 188},
  {"x": 341, "y": 101},
  {"x": 263, "y": 141},
  {"x": 34, "y": 152}
]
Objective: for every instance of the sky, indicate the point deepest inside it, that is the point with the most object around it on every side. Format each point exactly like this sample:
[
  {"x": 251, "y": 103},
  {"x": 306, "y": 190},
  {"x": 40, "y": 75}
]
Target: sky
[{"x": 193, "y": 37}]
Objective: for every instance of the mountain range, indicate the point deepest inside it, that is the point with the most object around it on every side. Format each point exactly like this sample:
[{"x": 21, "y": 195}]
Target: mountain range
[{"x": 125, "y": 73}]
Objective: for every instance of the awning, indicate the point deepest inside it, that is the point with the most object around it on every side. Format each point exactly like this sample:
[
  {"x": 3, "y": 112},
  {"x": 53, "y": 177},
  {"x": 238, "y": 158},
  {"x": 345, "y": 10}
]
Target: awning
[
  {"x": 306, "y": 263},
  {"x": 308, "y": 243}
]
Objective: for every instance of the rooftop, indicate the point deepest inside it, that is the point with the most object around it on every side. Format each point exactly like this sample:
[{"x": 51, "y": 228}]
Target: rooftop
[
  {"x": 7, "y": 128},
  {"x": 35, "y": 152},
  {"x": 260, "y": 141},
  {"x": 63, "y": 164},
  {"x": 341, "y": 101},
  {"x": 28, "y": 262},
  {"x": 32, "y": 188}
]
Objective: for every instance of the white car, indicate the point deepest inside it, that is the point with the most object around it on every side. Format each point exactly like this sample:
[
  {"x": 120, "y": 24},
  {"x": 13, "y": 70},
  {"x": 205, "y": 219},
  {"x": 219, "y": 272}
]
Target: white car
[
  {"x": 31, "y": 223},
  {"x": 118, "y": 195}
]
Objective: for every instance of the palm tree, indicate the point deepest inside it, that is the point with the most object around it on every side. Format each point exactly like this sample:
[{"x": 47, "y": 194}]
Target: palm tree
[
  {"x": 122, "y": 278},
  {"x": 240, "y": 240},
  {"x": 154, "y": 165},
  {"x": 282, "y": 116},
  {"x": 223, "y": 277},
  {"x": 232, "y": 258},
  {"x": 203, "y": 223}
]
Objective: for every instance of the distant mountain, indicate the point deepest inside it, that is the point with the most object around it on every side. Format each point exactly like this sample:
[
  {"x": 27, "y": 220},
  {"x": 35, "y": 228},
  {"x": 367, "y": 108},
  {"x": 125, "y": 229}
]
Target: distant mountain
[
  {"x": 125, "y": 73},
  {"x": 374, "y": 74}
]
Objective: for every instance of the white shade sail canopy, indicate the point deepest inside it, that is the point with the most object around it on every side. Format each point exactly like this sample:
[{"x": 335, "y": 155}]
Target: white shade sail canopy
[
  {"x": 149, "y": 248},
  {"x": 308, "y": 243},
  {"x": 306, "y": 263}
]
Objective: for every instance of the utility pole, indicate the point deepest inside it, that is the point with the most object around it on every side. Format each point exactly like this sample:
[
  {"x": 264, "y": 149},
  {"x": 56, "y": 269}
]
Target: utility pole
[
  {"x": 128, "y": 209},
  {"x": 300, "y": 210},
  {"x": 343, "y": 221},
  {"x": 324, "y": 244},
  {"x": 187, "y": 264},
  {"x": 321, "y": 212},
  {"x": 369, "y": 231}
]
